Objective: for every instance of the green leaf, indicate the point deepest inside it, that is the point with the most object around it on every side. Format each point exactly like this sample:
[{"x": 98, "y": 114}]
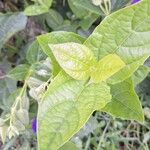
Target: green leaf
[
  {"x": 125, "y": 103},
  {"x": 87, "y": 21},
  {"x": 40, "y": 7},
  {"x": 76, "y": 59},
  {"x": 69, "y": 26},
  {"x": 115, "y": 4},
  {"x": 7, "y": 85},
  {"x": 47, "y": 3},
  {"x": 127, "y": 71},
  {"x": 20, "y": 72},
  {"x": 65, "y": 108},
  {"x": 33, "y": 10},
  {"x": 85, "y": 10},
  {"x": 87, "y": 5},
  {"x": 125, "y": 33},
  {"x": 140, "y": 74},
  {"x": 57, "y": 38},
  {"x": 106, "y": 67},
  {"x": 87, "y": 18},
  {"x": 35, "y": 53},
  {"x": 10, "y": 24},
  {"x": 54, "y": 19},
  {"x": 69, "y": 146},
  {"x": 80, "y": 13}
]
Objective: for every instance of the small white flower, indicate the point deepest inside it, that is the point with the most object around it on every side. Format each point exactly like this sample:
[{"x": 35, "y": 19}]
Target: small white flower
[
  {"x": 2, "y": 122},
  {"x": 3, "y": 133},
  {"x": 12, "y": 132}
]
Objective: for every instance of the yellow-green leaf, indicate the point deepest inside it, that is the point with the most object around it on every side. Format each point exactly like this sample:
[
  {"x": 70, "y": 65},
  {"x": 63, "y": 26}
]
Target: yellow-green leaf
[
  {"x": 140, "y": 74},
  {"x": 69, "y": 146},
  {"x": 76, "y": 59},
  {"x": 65, "y": 108},
  {"x": 106, "y": 67},
  {"x": 125, "y": 103},
  {"x": 56, "y": 38},
  {"x": 125, "y": 33}
]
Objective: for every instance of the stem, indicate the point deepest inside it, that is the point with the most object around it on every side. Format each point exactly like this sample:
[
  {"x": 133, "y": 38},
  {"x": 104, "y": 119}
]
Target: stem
[
  {"x": 87, "y": 143},
  {"x": 103, "y": 9},
  {"x": 106, "y": 7},
  {"x": 109, "y": 4},
  {"x": 18, "y": 100},
  {"x": 103, "y": 135}
]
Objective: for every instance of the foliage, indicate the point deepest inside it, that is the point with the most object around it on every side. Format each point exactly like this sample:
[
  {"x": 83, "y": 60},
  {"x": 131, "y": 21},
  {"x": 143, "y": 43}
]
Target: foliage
[
  {"x": 10, "y": 24},
  {"x": 68, "y": 80},
  {"x": 39, "y": 7}
]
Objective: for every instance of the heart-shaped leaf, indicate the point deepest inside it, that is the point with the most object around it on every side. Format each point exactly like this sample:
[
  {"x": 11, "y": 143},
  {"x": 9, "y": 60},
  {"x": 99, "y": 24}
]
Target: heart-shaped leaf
[
  {"x": 125, "y": 33},
  {"x": 65, "y": 108},
  {"x": 125, "y": 103},
  {"x": 57, "y": 38},
  {"x": 76, "y": 59}
]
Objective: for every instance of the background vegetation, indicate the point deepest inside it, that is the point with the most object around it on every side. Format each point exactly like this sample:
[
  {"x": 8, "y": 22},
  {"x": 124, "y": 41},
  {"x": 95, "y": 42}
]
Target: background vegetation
[{"x": 17, "y": 46}]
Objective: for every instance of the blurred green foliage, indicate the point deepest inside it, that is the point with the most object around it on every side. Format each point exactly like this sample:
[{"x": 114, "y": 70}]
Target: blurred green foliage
[{"x": 20, "y": 54}]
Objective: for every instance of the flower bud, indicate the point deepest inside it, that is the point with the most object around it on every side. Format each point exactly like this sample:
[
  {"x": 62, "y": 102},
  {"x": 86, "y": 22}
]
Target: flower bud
[
  {"x": 34, "y": 94},
  {"x": 23, "y": 116},
  {"x": 41, "y": 89},
  {"x": 19, "y": 125},
  {"x": 25, "y": 102},
  {"x": 2, "y": 122},
  {"x": 34, "y": 83},
  {"x": 3, "y": 133},
  {"x": 12, "y": 131},
  {"x": 147, "y": 112}
]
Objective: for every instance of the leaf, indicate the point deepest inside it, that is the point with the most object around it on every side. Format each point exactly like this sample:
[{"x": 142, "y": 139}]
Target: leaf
[
  {"x": 125, "y": 103},
  {"x": 20, "y": 72},
  {"x": 140, "y": 74},
  {"x": 54, "y": 19},
  {"x": 87, "y": 17},
  {"x": 23, "y": 116},
  {"x": 34, "y": 10},
  {"x": 7, "y": 94},
  {"x": 69, "y": 26},
  {"x": 115, "y": 4},
  {"x": 57, "y": 38},
  {"x": 89, "y": 13},
  {"x": 125, "y": 33},
  {"x": 40, "y": 7},
  {"x": 69, "y": 146},
  {"x": 78, "y": 11},
  {"x": 76, "y": 59},
  {"x": 3, "y": 133},
  {"x": 127, "y": 71},
  {"x": 87, "y": 5},
  {"x": 106, "y": 67},
  {"x": 65, "y": 108},
  {"x": 10, "y": 24},
  {"x": 7, "y": 85},
  {"x": 87, "y": 21},
  {"x": 35, "y": 53},
  {"x": 143, "y": 89},
  {"x": 47, "y": 3},
  {"x": 78, "y": 62}
]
